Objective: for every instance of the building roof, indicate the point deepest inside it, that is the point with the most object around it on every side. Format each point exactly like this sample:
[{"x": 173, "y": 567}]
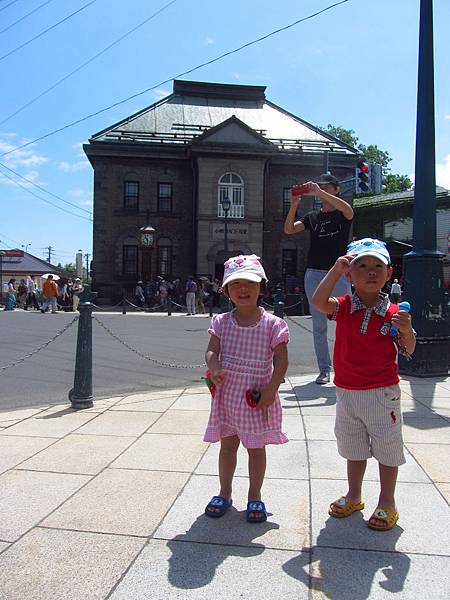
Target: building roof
[
  {"x": 28, "y": 265},
  {"x": 195, "y": 107},
  {"x": 396, "y": 199}
]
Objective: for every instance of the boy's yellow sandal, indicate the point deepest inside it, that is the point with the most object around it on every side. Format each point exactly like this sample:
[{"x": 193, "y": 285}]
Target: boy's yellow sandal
[
  {"x": 347, "y": 506},
  {"x": 389, "y": 517}
]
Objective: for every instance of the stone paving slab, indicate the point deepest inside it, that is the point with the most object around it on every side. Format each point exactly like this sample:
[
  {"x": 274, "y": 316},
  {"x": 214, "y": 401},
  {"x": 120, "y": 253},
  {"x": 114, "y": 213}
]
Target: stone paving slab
[
  {"x": 51, "y": 565},
  {"x": 120, "y": 501},
  {"x": 320, "y": 406},
  {"x": 15, "y": 449},
  {"x": 293, "y": 425},
  {"x": 3, "y": 546},
  {"x": 144, "y": 404},
  {"x": 179, "y": 570},
  {"x": 418, "y": 530},
  {"x": 163, "y": 452},
  {"x": 26, "y": 497},
  {"x": 434, "y": 460},
  {"x": 326, "y": 463},
  {"x": 358, "y": 575},
  {"x": 55, "y": 425},
  {"x": 182, "y": 421},
  {"x": 84, "y": 454},
  {"x": 287, "y": 526},
  {"x": 119, "y": 423},
  {"x": 8, "y": 417},
  {"x": 285, "y": 461},
  {"x": 426, "y": 431},
  {"x": 193, "y": 402},
  {"x": 319, "y": 428},
  {"x": 444, "y": 488}
]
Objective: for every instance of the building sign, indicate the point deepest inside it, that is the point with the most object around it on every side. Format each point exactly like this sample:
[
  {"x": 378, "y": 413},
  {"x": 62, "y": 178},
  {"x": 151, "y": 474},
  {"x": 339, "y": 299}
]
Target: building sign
[
  {"x": 12, "y": 253},
  {"x": 236, "y": 231}
]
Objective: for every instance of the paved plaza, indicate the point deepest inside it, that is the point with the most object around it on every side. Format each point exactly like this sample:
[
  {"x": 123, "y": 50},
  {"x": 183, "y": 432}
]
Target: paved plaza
[{"x": 108, "y": 503}]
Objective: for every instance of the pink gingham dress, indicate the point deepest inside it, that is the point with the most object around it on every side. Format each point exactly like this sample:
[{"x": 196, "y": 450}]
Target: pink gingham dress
[{"x": 246, "y": 354}]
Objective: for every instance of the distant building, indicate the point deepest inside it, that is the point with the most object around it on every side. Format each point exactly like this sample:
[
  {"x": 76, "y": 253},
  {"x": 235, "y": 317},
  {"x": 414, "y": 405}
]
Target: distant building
[
  {"x": 390, "y": 218},
  {"x": 17, "y": 264},
  {"x": 170, "y": 165}
]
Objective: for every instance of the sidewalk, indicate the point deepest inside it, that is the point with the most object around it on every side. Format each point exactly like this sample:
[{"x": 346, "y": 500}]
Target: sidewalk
[{"x": 108, "y": 503}]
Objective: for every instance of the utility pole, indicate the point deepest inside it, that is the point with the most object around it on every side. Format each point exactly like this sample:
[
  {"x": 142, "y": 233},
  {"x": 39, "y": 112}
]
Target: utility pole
[
  {"x": 86, "y": 256},
  {"x": 50, "y": 252}
]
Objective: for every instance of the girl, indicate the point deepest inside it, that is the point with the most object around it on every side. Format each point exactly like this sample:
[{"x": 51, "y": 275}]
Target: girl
[{"x": 247, "y": 351}]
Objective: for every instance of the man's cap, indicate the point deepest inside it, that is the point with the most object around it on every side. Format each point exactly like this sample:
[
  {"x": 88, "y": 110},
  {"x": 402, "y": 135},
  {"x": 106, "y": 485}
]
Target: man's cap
[
  {"x": 328, "y": 178},
  {"x": 77, "y": 279},
  {"x": 243, "y": 267},
  {"x": 369, "y": 247}
]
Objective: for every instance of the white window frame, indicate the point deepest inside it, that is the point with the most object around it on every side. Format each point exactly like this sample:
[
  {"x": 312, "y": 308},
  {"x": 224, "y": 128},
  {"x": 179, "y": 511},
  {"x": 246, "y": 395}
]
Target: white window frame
[{"x": 231, "y": 185}]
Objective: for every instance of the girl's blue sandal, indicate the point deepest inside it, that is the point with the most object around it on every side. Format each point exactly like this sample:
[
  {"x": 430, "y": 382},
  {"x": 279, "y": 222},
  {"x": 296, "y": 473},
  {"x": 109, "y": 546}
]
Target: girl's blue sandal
[
  {"x": 217, "y": 507},
  {"x": 256, "y": 512}
]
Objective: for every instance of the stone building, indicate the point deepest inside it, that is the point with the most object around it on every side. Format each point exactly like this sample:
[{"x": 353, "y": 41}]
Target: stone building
[
  {"x": 390, "y": 217},
  {"x": 170, "y": 165}
]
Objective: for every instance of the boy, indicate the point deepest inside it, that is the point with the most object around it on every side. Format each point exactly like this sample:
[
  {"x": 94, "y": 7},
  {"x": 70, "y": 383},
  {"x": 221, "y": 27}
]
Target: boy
[{"x": 368, "y": 417}]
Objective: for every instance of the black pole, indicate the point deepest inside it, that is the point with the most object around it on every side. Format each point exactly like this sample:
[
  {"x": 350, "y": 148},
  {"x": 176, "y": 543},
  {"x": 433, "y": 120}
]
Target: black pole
[
  {"x": 124, "y": 303},
  {"x": 424, "y": 266},
  {"x": 225, "y": 241},
  {"x": 169, "y": 307},
  {"x": 81, "y": 394},
  {"x": 210, "y": 303}
]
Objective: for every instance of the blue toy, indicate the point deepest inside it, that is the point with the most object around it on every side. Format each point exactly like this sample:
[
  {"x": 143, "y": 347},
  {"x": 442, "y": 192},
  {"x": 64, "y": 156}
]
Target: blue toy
[{"x": 402, "y": 306}]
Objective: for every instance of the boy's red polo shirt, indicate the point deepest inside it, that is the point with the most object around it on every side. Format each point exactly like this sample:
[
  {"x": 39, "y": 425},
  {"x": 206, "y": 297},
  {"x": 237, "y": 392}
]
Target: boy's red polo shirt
[{"x": 365, "y": 355}]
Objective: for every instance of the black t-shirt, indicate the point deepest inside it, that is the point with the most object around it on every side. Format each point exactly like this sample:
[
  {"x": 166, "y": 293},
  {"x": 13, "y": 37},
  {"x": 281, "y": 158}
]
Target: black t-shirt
[{"x": 329, "y": 237}]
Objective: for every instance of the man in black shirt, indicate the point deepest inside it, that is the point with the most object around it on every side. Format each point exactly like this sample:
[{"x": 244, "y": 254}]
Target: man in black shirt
[{"x": 329, "y": 230}]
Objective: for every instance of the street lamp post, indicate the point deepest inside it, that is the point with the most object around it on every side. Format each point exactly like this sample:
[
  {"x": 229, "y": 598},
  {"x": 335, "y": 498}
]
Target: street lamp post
[
  {"x": 226, "y": 205},
  {"x": 423, "y": 266}
]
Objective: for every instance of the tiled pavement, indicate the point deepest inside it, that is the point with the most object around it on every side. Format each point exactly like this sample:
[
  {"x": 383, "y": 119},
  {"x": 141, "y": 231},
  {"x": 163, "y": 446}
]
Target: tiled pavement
[{"x": 108, "y": 503}]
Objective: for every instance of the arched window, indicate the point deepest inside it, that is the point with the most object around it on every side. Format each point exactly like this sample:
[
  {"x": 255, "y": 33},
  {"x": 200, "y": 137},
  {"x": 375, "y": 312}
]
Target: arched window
[{"x": 231, "y": 187}]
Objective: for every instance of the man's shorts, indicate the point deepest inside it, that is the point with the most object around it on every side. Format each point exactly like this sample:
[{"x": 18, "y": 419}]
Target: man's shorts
[{"x": 369, "y": 423}]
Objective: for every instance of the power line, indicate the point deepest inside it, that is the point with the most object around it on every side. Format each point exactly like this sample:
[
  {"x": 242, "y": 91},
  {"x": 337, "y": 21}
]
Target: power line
[
  {"x": 25, "y": 16},
  {"x": 53, "y": 86},
  {"x": 43, "y": 199},
  {"x": 209, "y": 62},
  {"x": 44, "y": 190},
  {"x": 46, "y": 30},
  {"x": 13, "y": 2}
]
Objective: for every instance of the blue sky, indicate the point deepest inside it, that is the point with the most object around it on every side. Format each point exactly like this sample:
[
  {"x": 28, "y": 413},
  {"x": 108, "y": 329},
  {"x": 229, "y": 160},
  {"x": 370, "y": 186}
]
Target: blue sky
[{"x": 354, "y": 65}]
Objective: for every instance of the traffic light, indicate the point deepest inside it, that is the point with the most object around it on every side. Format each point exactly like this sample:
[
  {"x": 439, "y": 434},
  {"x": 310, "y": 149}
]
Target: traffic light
[{"x": 362, "y": 178}]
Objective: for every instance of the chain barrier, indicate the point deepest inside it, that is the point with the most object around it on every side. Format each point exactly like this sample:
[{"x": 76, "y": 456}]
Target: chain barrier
[
  {"x": 284, "y": 307},
  {"x": 141, "y": 354},
  {"x": 33, "y": 352}
]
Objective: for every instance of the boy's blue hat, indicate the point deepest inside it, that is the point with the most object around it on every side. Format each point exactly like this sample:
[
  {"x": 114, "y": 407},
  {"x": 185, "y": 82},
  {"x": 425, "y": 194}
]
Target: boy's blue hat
[{"x": 369, "y": 247}]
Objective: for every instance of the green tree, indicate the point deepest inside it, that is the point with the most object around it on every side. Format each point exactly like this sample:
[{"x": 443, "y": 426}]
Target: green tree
[
  {"x": 393, "y": 183},
  {"x": 70, "y": 268},
  {"x": 345, "y": 135},
  {"x": 373, "y": 154}
]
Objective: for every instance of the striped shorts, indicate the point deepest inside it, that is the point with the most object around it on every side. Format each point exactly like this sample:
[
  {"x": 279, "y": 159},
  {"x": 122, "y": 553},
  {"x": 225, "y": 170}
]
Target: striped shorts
[{"x": 369, "y": 423}]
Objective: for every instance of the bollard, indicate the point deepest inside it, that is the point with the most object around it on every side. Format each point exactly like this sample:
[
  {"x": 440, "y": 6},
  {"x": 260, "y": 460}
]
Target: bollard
[
  {"x": 169, "y": 307},
  {"x": 81, "y": 394},
  {"x": 278, "y": 309},
  {"x": 124, "y": 306},
  {"x": 210, "y": 304}
]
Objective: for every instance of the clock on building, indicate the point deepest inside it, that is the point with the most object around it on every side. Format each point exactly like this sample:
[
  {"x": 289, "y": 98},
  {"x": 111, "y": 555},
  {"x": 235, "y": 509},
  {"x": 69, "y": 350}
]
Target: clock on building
[{"x": 147, "y": 239}]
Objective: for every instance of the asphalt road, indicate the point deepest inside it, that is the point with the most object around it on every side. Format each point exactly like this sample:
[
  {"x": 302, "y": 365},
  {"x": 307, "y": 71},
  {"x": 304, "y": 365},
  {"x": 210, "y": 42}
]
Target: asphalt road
[{"x": 47, "y": 376}]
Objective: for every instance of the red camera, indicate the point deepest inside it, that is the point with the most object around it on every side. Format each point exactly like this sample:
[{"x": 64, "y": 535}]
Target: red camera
[{"x": 300, "y": 190}]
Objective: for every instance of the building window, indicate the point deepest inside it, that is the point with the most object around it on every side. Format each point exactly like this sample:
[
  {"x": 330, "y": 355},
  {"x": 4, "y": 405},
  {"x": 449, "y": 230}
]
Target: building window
[
  {"x": 165, "y": 260},
  {"x": 131, "y": 196},
  {"x": 129, "y": 260},
  {"x": 231, "y": 186},
  {"x": 164, "y": 197}
]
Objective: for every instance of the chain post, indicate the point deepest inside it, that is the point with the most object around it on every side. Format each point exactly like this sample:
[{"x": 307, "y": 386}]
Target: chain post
[
  {"x": 81, "y": 394},
  {"x": 210, "y": 304},
  {"x": 169, "y": 307},
  {"x": 124, "y": 306},
  {"x": 278, "y": 309}
]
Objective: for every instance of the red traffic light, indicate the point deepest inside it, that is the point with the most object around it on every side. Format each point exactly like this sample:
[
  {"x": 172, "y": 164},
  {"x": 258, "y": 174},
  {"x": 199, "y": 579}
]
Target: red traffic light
[{"x": 364, "y": 167}]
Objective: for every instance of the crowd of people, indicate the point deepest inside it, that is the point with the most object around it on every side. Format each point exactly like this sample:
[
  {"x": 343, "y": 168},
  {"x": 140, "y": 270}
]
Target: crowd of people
[{"x": 55, "y": 294}]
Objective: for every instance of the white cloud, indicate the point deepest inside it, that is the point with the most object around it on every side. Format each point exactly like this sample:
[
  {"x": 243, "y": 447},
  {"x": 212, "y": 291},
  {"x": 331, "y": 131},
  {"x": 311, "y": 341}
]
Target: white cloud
[
  {"x": 24, "y": 157},
  {"x": 447, "y": 117},
  {"x": 443, "y": 172},
  {"x": 72, "y": 167},
  {"x": 87, "y": 202},
  {"x": 79, "y": 193},
  {"x": 209, "y": 40}
]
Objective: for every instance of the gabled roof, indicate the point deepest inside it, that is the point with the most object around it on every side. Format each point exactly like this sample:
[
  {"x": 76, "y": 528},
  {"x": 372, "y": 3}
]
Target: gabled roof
[
  {"x": 196, "y": 107},
  {"x": 233, "y": 129},
  {"x": 28, "y": 265}
]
